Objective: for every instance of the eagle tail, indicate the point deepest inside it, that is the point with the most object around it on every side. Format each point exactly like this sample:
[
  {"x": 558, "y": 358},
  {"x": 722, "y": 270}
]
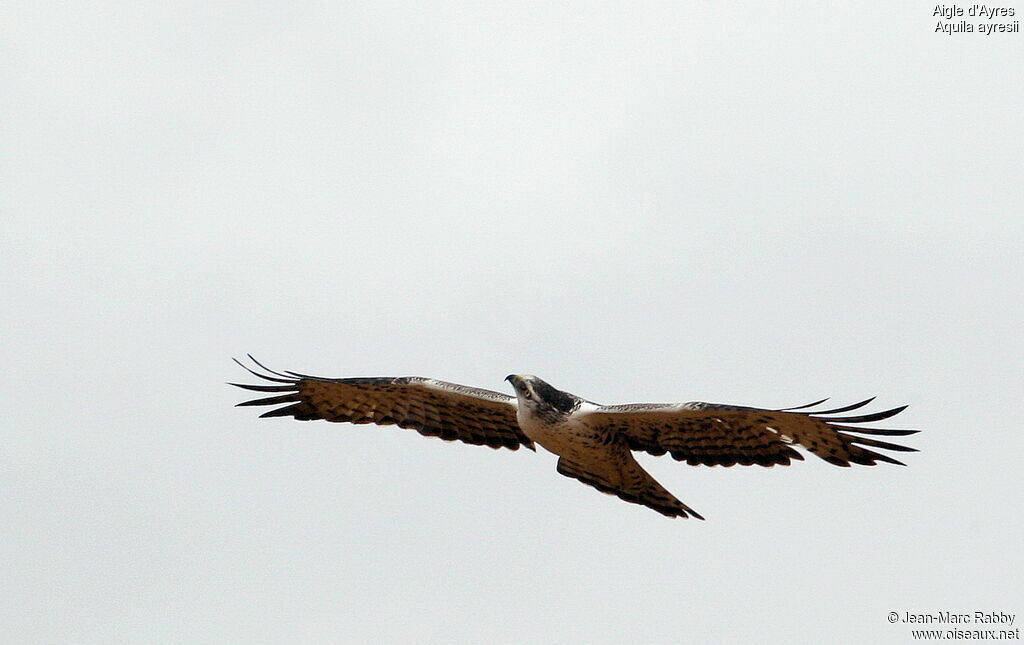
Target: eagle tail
[{"x": 634, "y": 485}]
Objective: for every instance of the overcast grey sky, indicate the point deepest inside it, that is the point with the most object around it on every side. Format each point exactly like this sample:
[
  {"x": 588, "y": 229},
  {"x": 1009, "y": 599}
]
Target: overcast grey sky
[{"x": 749, "y": 203}]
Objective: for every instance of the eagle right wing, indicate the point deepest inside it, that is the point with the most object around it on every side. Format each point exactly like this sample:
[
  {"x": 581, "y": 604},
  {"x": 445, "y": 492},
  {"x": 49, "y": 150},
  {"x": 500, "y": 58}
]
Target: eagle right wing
[
  {"x": 431, "y": 407},
  {"x": 715, "y": 434}
]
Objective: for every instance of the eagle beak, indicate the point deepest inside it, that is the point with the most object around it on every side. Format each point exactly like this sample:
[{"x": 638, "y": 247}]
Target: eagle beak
[{"x": 511, "y": 378}]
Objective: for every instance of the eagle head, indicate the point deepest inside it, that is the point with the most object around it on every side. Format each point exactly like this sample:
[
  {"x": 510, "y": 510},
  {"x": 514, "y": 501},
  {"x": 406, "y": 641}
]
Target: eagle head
[{"x": 541, "y": 398}]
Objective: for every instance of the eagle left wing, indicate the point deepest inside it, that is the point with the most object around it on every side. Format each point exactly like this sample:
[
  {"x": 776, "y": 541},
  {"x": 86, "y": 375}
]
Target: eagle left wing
[
  {"x": 716, "y": 434},
  {"x": 431, "y": 407}
]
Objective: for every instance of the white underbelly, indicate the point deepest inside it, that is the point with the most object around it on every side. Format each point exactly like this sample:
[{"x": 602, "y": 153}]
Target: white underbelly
[{"x": 567, "y": 439}]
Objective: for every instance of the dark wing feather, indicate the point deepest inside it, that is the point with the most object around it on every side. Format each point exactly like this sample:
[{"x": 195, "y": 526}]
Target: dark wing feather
[
  {"x": 716, "y": 434},
  {"x": 432, "y": 408}
]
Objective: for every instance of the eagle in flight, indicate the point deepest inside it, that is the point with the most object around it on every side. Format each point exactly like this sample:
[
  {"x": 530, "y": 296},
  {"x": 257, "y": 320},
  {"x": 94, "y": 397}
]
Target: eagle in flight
[{"x": 594, "y": 443}]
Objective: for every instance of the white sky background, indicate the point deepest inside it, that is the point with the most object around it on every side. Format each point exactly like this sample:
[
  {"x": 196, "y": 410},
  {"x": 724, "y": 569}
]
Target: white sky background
[{"x": 761, "y": 204}]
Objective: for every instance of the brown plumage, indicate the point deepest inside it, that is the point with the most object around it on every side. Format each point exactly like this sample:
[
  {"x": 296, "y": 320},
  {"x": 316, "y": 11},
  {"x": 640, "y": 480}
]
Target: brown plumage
[
  {"x": 432, "y": 408},
  {"x": 714, "y": 435},
  {"x": 592, "y": 441}
]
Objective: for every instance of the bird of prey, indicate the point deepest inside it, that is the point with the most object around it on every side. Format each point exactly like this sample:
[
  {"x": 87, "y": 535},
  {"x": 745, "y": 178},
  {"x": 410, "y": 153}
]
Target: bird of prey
[{"x": 594, "y": 443}]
